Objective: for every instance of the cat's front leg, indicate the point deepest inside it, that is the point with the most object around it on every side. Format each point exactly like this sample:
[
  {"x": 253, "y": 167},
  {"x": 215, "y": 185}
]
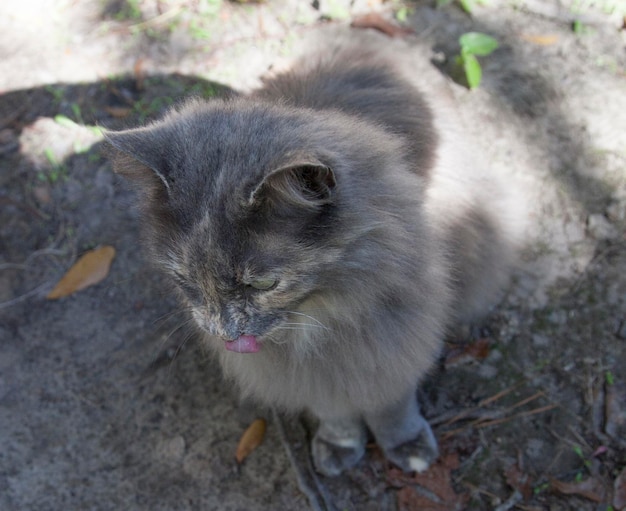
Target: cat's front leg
[
  {"x": 403, "y": 434},
  {"x": 338, "y": 444}
]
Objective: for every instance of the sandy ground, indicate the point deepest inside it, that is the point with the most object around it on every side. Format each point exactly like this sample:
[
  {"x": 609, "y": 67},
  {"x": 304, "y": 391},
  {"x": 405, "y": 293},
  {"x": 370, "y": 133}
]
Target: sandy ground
[{"x": 107, "y": 402}]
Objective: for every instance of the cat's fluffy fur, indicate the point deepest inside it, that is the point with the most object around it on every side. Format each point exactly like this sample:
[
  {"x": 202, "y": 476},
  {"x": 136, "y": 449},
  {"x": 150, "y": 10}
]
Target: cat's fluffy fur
[{"x": 349, "y": 188}]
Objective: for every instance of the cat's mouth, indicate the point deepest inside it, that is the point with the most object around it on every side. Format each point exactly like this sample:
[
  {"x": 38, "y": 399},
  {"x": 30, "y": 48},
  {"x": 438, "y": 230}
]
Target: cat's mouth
[{"x": 243, "y": 344}]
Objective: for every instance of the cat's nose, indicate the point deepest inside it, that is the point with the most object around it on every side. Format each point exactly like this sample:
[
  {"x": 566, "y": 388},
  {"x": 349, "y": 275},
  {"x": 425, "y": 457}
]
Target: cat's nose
[{"x": 233, "y": 332}]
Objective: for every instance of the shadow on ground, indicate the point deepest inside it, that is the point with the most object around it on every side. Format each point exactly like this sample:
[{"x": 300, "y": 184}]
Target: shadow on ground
[{"x": 107, "y": 403}]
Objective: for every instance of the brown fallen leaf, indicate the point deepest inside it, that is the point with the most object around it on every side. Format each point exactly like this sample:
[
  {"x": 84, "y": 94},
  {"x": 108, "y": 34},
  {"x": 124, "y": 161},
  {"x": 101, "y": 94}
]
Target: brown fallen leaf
[
  {"x": 519, "y": 480},
  {"x": 619, "y": 491},
  {"x": 542, "y": 40},
  {"x": 118, "y": 111},
  {"x": 478, "y": 350},
  {"x": 251, "y": 439},
  {"x": 140, "y": 74},
  {"x": 377, "y": 22},
  {"x": 437, "y": 492},
  {"x": 90, "y": 269},
  {"x": 590, "y": 488}
]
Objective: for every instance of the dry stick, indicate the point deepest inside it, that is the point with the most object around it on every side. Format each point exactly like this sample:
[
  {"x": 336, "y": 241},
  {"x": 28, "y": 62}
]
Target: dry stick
[
  {"x": 524, "y": 401},
  {"x": 483, "y": 423},
  {"x": 517, "y": 416},
  {"x": 476, "y": 489},
  {"x": 24, "y": 207},
  {"x": 511, "y": 502},
  {"x": 481, "y": 420},
  {"x": 482, "y": 403}
]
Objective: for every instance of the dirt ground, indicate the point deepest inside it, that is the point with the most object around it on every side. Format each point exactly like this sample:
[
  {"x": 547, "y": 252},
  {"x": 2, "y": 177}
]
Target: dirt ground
[{"x": 106, "y": 401}]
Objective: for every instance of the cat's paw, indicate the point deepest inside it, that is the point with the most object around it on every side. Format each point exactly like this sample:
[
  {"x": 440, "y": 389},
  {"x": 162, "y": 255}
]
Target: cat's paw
[
  {"x": 415, "y": 455},
  {"x": 330, "y": 459}
]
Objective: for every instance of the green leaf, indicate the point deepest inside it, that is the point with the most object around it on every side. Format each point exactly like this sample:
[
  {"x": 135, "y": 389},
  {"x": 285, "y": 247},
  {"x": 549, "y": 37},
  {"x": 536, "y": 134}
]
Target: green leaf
[
  {"x": 468, "y": 5},
  {"x": 64, "y": 121},
  {"x": 402, "y": 14},
  {"x": 473, "y": 71},
  {"x": 477, "y": 43},
  {"x": 610, "y": 379},
  {"x": 52, "y": 159}
]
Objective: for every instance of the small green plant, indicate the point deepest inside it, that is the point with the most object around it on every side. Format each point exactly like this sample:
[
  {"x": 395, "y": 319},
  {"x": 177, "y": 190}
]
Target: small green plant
[
  {"x": 610, "y": 379},
  {"x": 64, "y": 121},
  {"x": 57, "y": 170},
  {"x": 580, "y": 29},
  {"x": 402, "y": 14},
  {"x": 58, "y": 93},
  {"x": 541, "y": 488},
  {"x": 474, "y": 44},
  {"x": 198, "y": 31},
  {"x": 130, "y": 10},
  {"x": 587, "y": 463}
]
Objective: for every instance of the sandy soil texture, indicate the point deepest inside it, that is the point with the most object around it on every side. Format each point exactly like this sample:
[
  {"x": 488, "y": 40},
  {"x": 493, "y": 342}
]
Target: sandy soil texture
[{"x": 107, "y": 401}]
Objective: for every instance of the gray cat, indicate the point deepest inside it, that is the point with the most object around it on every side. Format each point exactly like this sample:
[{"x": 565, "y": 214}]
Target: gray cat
[{"x": 326, "y": 231}]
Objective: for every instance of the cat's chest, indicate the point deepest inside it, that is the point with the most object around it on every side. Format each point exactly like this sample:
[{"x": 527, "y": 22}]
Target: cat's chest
[{"x": 287, "y": 382}]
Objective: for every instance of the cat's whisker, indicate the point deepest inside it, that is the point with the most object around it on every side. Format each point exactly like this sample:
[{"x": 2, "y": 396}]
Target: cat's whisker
[
  {"x": 171, "y": 314},
  {"x": 299, "y": 329},
  {"x": 309, "y": 317},
  {"x": 313, "y": 325},
  {"x": 179, "y": 348},
  {"x": 169, "y": 335}
]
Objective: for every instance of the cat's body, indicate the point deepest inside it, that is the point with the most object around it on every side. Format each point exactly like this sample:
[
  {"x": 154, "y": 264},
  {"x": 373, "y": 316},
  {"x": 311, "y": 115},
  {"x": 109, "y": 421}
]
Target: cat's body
[{"x": 325, "y": 232}]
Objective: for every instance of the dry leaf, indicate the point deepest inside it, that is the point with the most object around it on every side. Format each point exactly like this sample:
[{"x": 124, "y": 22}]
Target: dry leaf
[
  {"x": 118, "y": 111},
  {"x": 438, "y": 494},
  {"x": 90, "y": 269},
  {"x": 542, "y": 40},
  {"x": 619, "y": 491},
  {"x": 251, "y": 439},
  {"x": 591, "y": 488},
  {"x": 139, "y": 73},
  {"x": 518, "y": 480},
  {"x": 478, "y": 350},
  {"x": 377, "y": 22}
]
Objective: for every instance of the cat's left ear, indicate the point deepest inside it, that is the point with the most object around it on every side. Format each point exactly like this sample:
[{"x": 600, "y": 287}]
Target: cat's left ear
[
  {"x": 304, "y": 181},
  {"x": 140, "y": 157}
]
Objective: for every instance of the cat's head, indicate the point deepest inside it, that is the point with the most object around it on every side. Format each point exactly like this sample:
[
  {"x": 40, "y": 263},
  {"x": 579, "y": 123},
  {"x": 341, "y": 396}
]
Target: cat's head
[{"x": 248, "y": 207}]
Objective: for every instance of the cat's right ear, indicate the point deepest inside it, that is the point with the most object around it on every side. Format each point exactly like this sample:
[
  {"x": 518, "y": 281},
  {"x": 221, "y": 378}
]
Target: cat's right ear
[
  {"x": 139, "y": 156},
  {"x": 303, "y": 181}
]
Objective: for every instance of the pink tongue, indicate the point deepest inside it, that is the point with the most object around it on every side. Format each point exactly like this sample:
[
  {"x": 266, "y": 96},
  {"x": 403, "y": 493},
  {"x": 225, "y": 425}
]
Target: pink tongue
[{"x": 245, "y": 344}]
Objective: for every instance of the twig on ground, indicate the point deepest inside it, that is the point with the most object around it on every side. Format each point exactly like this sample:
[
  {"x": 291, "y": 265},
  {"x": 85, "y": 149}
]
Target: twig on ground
[
  {"x": 465, "y": 413},
  {"x": 24, "y": 207},
  {"x": 517, "y": 416},
  {"x": 486, "y": 418},
  {"x": 27, "y": 261},
  {"x": 511, "y": 502},
  {"x": 25, "y": 296}
]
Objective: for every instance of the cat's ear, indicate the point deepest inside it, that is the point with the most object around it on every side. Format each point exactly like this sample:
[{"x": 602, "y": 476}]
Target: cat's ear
[
  {"x": 303, "y": 181},
  {"x": 140, "y": 157}
]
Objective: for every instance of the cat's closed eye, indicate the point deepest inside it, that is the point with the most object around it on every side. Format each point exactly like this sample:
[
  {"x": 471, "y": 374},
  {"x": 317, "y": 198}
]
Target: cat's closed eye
[{"x": 263, "y": 284}]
